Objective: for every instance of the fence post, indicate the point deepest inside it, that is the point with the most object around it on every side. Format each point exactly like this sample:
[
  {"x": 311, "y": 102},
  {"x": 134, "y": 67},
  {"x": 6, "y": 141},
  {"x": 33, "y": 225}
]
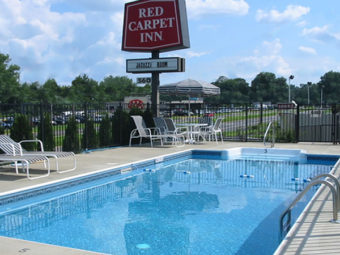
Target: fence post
[
  {"x": 333, "y": 124},
  {"x": 297, "y": 123},
  {"x": 86, "y": 127},
  {"x": 261, "y": 113},
  {"x": 41, "y": 123},
  {"x": 246, "y": 139}
]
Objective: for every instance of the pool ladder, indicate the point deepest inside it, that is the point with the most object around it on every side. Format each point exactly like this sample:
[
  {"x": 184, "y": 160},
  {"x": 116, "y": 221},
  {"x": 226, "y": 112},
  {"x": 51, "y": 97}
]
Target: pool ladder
[
  {"x": 266, "y": 134},
  {"x": 285, "y": 226}
]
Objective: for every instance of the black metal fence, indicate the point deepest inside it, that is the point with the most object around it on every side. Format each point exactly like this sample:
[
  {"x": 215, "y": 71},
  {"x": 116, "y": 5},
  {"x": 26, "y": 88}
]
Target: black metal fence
[{"x": 240, "y": 123}]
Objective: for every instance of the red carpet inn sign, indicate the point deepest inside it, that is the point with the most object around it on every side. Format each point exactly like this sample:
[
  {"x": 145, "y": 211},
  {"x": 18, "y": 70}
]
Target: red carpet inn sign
[{"x": 155, "y": 25}]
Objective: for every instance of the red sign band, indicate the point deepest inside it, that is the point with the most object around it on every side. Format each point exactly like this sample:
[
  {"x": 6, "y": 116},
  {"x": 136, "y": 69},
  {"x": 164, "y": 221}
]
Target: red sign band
[{"x": 155, "y": 25}]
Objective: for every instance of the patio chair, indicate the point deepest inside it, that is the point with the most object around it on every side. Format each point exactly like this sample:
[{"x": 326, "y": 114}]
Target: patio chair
[
  {"x": 172, "y": 129},
  {"x": 214, "y": 130},
  {"x": 10, "y": 147},
  {"x": 26, "y": 161},
  {"x": 160, "y": 124},
  {"x": 141, "y": 131}
]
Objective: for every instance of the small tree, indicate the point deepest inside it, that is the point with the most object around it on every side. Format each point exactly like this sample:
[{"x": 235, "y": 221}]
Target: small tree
[
  {"x": 90, "y": 138},
  {"x": 71, "y": 139},
  {"x": 105, "y": 131},
  {"x": 22, "y": 130},
  {"x": 148, "y": 118},
  {"x": 121, "y": 127},
  {"x": 47, "y": 138}
]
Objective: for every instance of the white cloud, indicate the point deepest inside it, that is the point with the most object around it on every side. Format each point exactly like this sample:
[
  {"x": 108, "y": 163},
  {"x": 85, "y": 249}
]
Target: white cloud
[
  {"x": 200, "y": 7},
  {"x": 307, "y": 50},
  {"x": 267, "y": 58},
  {"x": 47, "y": 43},
  {"x": 291, "y": 13},
  {"x": 192, "y": 54},
  {"x": 321, "y": 34}
]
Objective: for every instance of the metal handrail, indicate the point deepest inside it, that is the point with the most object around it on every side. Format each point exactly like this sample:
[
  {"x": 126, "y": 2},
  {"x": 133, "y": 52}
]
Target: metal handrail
[
  {"x": 336, "y": 181},
  {"x": 286, "y": 227},
  {"x": 266, "y": 133}
]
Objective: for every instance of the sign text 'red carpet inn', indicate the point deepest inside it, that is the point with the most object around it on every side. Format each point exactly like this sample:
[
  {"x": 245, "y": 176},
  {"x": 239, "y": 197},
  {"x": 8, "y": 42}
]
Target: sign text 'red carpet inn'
[{"x": 155, "y": 25}]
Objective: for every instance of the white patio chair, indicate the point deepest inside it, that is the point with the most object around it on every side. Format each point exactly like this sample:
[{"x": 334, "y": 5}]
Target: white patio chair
[
  {"x": 172, "y": 129},
  {"x": 213, "y": 130},
  {"x": 161, "y": 125},
  {"x": 141, "y": 131},
  {"x": 10, "y": 147}
]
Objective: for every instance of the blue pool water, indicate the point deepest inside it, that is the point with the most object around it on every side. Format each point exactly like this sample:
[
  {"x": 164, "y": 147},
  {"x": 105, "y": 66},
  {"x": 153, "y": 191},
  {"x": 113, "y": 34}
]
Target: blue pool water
[{"x": 185, "y": 206}]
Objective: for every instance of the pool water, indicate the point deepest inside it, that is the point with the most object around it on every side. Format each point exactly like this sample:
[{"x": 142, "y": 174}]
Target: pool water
[{"x": 192, "y": 206}]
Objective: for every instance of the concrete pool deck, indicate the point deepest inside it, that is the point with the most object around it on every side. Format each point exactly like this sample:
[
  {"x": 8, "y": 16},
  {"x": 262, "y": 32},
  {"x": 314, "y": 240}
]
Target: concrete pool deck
[{"x": 313, "y": 234}]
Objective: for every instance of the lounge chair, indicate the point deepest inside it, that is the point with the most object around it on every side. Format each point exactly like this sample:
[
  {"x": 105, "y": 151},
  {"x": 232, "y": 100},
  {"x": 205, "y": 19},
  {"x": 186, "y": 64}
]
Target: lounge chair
[
  {"x": 141, "y": 131},
  {"x": 10, "y": 147},
  {"x": 26, "y": 161}
]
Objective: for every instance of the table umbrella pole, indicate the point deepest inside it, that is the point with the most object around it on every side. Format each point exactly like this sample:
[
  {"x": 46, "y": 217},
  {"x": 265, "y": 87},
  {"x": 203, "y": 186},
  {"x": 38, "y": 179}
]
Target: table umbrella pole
[{"x": 189, "y": 106}]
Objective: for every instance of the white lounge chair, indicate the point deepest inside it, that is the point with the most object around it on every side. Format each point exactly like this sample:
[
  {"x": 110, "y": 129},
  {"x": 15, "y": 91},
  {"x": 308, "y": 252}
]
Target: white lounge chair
[
  {"x": 10, "y": 147},
  {"x": 26, "y": 161},
  {"x": 141, "y": 131}
]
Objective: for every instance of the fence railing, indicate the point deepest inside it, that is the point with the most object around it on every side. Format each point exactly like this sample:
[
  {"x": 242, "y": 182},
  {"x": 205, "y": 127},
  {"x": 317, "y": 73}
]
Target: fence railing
[{"x": 240, "y": 123}]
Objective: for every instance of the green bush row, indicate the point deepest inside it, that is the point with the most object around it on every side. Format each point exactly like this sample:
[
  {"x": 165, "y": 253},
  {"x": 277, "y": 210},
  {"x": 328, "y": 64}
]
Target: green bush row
[{"x": 112, "y": 131}]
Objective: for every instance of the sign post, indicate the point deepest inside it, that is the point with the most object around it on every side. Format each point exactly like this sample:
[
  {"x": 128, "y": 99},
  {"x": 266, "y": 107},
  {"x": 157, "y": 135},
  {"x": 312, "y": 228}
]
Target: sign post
[
  {"x": 155, "y": 26},
  {"x": 154, "y": 87}
]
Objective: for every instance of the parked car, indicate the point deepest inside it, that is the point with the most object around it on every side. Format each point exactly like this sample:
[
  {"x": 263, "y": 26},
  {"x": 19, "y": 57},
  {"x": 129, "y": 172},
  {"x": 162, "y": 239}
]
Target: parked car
[{"x": 7, "y": 123}]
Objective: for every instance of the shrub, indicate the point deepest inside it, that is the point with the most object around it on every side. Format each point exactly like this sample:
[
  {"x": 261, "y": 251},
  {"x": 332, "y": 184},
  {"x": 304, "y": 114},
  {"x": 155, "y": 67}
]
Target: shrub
[
  {"x": 121, "y": 127},
  {"x": 47, "y": 138},
  {"x": 22, "y": 130},
  {"x": 105, "y": 132},
  {"x": 148, "y": 118},
  {"x": 90, "y": 138},
  {"x": 71, "y": 139}
]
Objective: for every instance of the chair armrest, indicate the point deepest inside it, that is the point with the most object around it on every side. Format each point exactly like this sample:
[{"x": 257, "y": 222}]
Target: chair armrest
[
  {"x": 153, "y": 130},
  {"x": 34, "y": 141}
]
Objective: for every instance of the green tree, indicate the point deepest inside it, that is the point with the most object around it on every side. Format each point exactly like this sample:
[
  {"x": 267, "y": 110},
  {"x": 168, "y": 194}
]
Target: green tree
[
  {"x": 121, "y": 127},
  {"x": 148, "y": 118},
  {"x": 51, "y": 92},
  {"x": 22, "y": 130},
  {"x": 90, "y": 137},
  {"x": 267, "y": 88},
  {"x": 105, "y": 131},
  {"x": 116, "y": 88},
  {"x": 84, "y": 90},
  {"x": 45, "y": 133},
  {"x": 232, "y": 90},
  {"x": 71, "y": 139},
  {"x": 330, "y": 85},
  {"x": 9, "y": 81}
]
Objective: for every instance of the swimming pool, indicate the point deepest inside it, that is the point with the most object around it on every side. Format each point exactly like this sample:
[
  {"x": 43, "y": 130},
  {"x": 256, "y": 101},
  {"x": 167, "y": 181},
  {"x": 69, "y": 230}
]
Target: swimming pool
[{"x": 197, "y": 202}]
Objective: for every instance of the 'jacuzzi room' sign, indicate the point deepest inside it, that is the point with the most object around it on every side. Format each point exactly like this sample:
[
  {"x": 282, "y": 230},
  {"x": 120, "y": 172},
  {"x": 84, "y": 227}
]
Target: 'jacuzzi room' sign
[{"x": 151, "y": 25}]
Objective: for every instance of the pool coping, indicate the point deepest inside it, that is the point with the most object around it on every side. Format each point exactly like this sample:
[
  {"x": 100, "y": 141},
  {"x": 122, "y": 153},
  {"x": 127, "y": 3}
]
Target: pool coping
[{"x": 284, "y": 247}]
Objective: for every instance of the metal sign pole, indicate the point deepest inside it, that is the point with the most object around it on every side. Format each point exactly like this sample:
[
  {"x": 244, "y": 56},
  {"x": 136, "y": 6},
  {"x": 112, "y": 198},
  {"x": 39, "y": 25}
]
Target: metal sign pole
[{"x": 154, "y": 87}]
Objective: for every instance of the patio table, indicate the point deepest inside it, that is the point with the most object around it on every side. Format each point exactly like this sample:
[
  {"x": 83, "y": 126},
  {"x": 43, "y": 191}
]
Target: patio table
[{"x": 192, "y": 129}]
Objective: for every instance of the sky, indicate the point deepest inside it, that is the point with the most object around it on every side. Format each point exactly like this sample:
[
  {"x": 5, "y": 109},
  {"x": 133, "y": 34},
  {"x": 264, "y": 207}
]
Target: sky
[{"x": 62, "y": 39}]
